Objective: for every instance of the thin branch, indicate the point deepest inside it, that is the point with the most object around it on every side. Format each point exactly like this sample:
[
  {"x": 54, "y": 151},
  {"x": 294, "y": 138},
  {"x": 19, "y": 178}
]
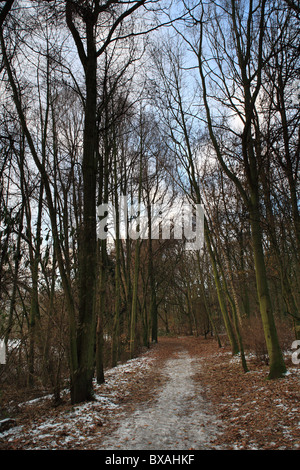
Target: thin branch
[{"x": 117, "y": 23}]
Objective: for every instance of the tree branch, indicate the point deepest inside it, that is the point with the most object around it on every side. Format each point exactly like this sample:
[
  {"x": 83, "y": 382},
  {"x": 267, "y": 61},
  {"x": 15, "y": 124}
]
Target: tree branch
[
  {"x": 75, "y": 34},
  {"x": 117, "y": 23},
  {"x": 5, "y": 10}
]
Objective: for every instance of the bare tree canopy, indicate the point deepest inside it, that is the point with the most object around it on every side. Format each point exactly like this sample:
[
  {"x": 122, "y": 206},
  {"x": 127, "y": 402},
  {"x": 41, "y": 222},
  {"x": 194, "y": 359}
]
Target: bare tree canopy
[{"x": 149, "y": 168}]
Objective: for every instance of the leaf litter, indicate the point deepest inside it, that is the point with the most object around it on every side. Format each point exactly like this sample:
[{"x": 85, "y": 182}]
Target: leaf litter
[{"x": 182, "y": 393}]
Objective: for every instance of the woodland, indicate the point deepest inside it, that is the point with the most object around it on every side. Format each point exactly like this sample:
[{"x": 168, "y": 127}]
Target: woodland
[{"x": 158, "y": 100}]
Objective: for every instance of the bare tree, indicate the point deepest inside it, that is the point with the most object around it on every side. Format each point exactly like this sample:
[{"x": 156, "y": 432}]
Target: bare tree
[{"x": 245, "y": 60}]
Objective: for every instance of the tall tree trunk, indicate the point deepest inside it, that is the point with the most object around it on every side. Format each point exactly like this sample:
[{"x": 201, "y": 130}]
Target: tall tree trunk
[
  {"x": 222, "y": 303},
  {"x": 34, "y": 306},
  {"x": 207, "y": 309},
  {"x": 277, "y": 365},
  {"x": 251, "y": 200},
  {"x": 81, "y": 386},
  {"x": 134, "y": 302},
  {"x": 100, "y": 308},
  {"x": 135, "y": 286},
  {"x": 116, "y": 324},
  {"x": 151, "y": 274}
]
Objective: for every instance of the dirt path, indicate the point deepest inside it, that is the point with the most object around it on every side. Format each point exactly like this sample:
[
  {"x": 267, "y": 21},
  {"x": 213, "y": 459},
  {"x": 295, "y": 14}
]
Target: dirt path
[
  {"x": 182, "y": 394},
  {"x": 178, "y": 418},
  {"x": 154, "y": 401}
]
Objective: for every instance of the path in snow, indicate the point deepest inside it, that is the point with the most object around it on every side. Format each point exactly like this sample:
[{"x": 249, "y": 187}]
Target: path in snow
[{"x": 179, "y": 419}]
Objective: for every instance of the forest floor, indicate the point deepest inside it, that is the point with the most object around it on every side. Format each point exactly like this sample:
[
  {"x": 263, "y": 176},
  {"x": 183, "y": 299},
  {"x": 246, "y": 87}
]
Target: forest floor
[{"x": 183, "y": 393}]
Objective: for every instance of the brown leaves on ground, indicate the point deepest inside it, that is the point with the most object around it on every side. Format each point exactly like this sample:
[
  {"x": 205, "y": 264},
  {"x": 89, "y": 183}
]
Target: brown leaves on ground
[{"x": 255, "y": 413}]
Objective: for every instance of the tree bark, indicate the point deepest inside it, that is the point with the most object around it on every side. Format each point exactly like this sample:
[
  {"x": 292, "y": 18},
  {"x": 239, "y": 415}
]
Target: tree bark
[{"x": 81, "y": 387}]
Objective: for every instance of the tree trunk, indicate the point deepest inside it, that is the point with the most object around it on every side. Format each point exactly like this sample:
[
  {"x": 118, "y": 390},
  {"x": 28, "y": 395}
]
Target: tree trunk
[
  {"x": 277, "y": 365},
  {"x": 134, "y": 302},
  {"x": 207, "y": 309},
  {"x": 227, "y": 322},
  {"x": 134, "y": 299},
  {"x": 100, "y": 302},
  {"x": 153, "y": 302},
  {"x": 81, "y": 386}
]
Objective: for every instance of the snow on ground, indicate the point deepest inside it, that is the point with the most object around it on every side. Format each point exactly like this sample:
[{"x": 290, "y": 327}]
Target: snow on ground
[
  {"x": 78, "y": 423},
  {"x": 198, "y": 391},
  {"x": 179, "y": 418}
]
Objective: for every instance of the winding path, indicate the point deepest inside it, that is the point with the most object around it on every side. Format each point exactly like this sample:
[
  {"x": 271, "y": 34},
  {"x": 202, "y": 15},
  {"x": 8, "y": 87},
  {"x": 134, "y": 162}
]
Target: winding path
[{"x": 179, "y": 418}]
